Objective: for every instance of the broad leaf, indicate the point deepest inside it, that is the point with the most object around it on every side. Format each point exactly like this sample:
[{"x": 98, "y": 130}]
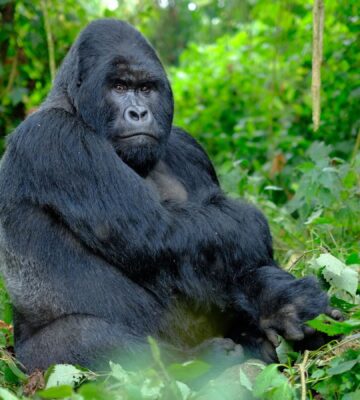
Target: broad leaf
[
  {"x": 56, "y": 392},
  {"x": 63, "y": 375},
  {"x": 338, "y": 274}
]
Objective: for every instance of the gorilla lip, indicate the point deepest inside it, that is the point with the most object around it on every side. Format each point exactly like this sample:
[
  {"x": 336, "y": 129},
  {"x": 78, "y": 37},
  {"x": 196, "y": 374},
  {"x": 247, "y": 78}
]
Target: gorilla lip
[{"x": 131, "y": 135}]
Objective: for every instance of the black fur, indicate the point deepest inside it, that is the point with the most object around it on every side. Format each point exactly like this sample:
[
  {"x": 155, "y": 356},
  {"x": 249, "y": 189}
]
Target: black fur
[{"x": 94, "y": 261}]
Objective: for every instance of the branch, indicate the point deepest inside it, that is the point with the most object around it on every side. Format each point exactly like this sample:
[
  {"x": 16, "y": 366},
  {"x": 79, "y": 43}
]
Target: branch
[{"x": 318, "y": 29}]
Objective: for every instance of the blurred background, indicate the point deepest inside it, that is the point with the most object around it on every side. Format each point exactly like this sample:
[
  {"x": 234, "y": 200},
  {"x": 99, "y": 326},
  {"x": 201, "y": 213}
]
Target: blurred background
[{"x": 241, "y": 74}]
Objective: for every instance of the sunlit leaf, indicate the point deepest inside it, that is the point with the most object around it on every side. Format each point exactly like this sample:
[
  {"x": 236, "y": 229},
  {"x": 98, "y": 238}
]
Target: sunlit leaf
[
  {"x": 63, "y": 375},
  {"x": 56, "y": 392},
  {"x": 338, "y": 274},
  {"x": 325, "y": 324},
  {"x": 7, "y": 395}
]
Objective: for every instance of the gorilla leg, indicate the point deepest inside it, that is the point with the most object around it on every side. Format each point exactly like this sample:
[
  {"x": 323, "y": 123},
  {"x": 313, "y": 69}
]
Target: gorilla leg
[{"x": 77, "y": 339}]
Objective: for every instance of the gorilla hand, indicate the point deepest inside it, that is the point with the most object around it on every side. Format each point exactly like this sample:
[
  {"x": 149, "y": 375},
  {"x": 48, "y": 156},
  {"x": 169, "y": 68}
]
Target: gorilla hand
[{"x": 286, "y": 311}]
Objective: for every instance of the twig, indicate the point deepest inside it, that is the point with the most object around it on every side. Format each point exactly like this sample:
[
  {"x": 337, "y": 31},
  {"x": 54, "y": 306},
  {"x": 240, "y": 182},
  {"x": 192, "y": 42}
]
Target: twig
[
  {"x": 302, "y": 374},
  {"x": 356, "y": 147},
  {"x": 12, "y": 74},
  {"x": 49, "y": 39},
  {"x": 318, "y": 29}
]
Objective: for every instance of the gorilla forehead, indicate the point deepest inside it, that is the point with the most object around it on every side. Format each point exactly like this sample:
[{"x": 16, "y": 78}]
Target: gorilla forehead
[
  {"x": 119, "y": 44},
  {"x": 135, "y": 68}
]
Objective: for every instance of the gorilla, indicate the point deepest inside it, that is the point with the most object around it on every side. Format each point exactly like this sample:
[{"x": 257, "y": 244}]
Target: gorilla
[{"x": 113, "y": 226}]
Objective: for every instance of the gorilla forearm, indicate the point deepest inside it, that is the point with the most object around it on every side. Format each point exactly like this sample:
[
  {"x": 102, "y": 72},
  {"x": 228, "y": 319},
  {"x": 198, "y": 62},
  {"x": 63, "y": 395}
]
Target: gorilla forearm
[
  {"x": 258, "y": 286},
  {"x": 110, "y": 208}
]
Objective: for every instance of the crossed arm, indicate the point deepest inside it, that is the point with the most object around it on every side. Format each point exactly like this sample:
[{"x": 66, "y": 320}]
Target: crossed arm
[{"x": 110, "y": 209}]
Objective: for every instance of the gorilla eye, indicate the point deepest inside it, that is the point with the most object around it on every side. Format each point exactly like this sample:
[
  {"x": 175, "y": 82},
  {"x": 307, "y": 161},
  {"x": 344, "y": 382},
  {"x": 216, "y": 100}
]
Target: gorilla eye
[
  {"x": 145, "y": 88},
  {"x": 120, "y": 87}
]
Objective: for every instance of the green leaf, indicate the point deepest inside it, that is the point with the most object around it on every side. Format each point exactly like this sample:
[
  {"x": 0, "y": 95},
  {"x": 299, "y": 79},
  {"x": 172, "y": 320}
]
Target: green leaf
[
  {"x": 271, "y": 380},
  {"x": 318, "y": 151},
  {"x": 283, "y": 392},
  {"x": 183, "y": 389},
  {"x": 342, "y": 367},
  {"x": 353, "y": 258},
  {"x": 16, "y": 371},
  {"x": 338, "y": 274},
  {"x": 63, "y": 375},
  {"x": 189, "y": 370},
  {"x": 151, "y": 390},
  {"x": 245, "y": 381},
  {"x": 7, "y": 395},
  {"x": 155, "y": 349},
  {"x": 17, "y": 94},
  {"x": 317, "y": 374},
  {"x": 91, "y": 391},
  {"x": 352, "y": 396},
  {"x": 325, "y": 324},
  {"x": 57, "y": 392},
  {"x": 314, "y": 216},
  {"x": 274, "y": 188},
  {"x": 341, "y": 304},
  {"x": 119, "y": 373},
  {"x": 283, "y": 349}
]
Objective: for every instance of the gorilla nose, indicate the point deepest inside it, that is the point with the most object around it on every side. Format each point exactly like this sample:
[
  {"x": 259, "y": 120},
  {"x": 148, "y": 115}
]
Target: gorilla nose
[{"x": 137, "y": 114}]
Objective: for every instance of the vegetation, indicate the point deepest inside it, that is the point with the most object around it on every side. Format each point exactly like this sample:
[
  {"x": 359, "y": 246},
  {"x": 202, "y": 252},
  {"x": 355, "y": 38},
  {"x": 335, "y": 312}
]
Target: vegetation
[{"x": 241, "y": 73}]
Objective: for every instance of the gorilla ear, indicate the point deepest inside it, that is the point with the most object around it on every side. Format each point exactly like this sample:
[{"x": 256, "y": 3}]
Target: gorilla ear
[
  {"x": 79, "y": 74},
  {"x": 73, "y": 76}
]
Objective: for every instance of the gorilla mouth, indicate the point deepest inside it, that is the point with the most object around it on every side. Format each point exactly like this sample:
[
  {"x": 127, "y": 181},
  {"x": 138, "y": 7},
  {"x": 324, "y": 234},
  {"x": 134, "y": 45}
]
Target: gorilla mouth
[{"x": 137, "y": 134}]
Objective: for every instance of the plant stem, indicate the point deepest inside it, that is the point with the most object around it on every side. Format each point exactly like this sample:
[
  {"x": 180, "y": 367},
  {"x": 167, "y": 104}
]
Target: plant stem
[
  {"x": 302, "y": 367},
  {"x": 318, "y": 29},
  {"x": 50, "y": 42}
]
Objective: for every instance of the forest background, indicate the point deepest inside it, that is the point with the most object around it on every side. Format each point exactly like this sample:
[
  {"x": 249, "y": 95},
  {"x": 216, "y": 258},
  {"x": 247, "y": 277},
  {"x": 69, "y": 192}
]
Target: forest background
[{"x": 241, "y": 74}]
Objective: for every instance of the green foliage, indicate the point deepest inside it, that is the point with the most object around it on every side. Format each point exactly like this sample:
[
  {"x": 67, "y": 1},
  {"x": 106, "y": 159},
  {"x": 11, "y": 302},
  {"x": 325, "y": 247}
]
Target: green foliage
[
  {"x": 248, "y": 95},
  {"x": 343, "y": 279},
  {"x": 331, "y": 327},
  {"x": 271, "y": 384},
  {"x": 339, "y": 378}
]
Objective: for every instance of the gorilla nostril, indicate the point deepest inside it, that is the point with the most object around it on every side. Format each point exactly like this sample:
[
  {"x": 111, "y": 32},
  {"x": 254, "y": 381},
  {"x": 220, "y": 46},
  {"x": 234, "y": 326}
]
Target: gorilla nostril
[
  {"x": 134, "y": 115},
  {"x": 137, "y": 114}
]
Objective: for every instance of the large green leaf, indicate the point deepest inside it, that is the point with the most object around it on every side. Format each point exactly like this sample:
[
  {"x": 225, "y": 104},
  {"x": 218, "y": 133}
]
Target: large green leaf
[{"x": 338, "y": 274}]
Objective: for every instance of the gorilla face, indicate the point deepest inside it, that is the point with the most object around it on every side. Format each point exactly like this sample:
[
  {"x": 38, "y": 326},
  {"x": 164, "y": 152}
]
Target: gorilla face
[
  {"x": 115, "y": 83},
  {"x": 139, "y": 123}
]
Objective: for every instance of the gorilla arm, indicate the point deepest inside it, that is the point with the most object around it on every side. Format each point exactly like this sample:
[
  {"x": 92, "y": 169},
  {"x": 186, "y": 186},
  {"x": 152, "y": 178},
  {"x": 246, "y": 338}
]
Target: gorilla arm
[
  {"x": 78, "y": 177},
  {"x": 272, "y": 299}
]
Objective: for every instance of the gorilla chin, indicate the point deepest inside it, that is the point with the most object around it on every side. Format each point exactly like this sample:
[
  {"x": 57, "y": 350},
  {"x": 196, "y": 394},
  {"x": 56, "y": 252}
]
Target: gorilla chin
[{"x": 140, "y": 151}]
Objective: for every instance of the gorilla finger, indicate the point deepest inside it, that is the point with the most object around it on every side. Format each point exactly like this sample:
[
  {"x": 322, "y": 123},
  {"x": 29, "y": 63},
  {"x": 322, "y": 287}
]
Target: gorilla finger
[
  {"x": 272, "y": 335},
  {"x": 334, "y": 313},
  {"x": 293, "y": 331},
  {"x": 308, "y": 331},
  {"x": 268, "y": 352}
]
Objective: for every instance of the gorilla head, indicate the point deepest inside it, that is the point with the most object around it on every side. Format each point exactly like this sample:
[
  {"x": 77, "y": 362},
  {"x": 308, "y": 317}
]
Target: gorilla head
[{"x": 114, "y": 81}]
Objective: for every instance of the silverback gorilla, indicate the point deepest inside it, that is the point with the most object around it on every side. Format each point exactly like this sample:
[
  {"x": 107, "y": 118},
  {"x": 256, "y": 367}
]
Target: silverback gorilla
[{"x": 114, "y": 227}]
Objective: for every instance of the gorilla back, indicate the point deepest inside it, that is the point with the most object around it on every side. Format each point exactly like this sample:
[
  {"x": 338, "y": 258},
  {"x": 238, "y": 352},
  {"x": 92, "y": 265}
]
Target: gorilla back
[{"x": 113, "y": 221}]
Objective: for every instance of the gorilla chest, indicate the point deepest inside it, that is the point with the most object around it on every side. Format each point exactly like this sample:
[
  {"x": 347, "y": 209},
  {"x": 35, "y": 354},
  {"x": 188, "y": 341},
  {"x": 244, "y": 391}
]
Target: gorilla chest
[{"x": 165, "y": 185}]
